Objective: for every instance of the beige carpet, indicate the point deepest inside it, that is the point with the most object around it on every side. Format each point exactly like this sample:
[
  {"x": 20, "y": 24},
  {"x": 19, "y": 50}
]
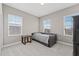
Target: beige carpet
[{"x": 37, "y": 49}]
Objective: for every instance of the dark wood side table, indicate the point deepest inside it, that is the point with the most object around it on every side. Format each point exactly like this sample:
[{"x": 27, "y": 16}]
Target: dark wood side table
[
  {"x": 26, "y": 39},
  {"x": 29, "y": 38}
]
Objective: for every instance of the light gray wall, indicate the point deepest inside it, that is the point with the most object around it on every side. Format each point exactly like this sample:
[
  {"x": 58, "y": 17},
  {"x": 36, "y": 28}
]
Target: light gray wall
[
  {"x": 1, "y": 28},
  {"x": 30, "y": 24},
  {"x": 57, "y": 20}
]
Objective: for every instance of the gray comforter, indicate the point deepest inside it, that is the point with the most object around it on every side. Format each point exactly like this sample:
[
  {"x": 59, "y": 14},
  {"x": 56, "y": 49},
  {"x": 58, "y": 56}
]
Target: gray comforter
[{"x": 41, "y": 37}]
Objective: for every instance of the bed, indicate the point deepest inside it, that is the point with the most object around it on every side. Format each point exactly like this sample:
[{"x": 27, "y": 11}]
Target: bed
[{"x": 47, "y": 39}]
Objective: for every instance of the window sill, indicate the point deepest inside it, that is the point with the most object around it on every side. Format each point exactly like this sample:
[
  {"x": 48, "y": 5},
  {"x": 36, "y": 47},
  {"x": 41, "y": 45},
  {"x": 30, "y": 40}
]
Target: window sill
[{"x": 68, "y": 35}]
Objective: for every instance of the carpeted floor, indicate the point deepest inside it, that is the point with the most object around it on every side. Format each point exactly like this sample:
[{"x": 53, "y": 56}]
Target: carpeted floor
[{"x": 37, "y": 49}]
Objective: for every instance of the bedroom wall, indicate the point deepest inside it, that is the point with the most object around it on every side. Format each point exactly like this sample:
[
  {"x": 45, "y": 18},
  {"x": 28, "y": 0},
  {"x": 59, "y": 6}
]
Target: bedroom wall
[
  {"x": 30, "y": 24},
  {"x": 1, "y": 28},
  {"x": 57, "y": 21}
]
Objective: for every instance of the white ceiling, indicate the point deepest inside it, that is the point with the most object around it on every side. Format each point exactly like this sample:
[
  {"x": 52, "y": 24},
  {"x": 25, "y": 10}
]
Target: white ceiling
[{"x": 39, "y": 10}]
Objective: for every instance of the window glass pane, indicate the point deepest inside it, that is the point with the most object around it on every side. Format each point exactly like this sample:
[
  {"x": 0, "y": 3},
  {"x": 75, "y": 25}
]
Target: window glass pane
[
  {"x": 14, "y": 19},
  {"x": 68, "y": 25},
  {"x": 47, "y": 24},
  {"x": 14, "y": 24}
]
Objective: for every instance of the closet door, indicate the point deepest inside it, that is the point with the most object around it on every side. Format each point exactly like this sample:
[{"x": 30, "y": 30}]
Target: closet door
[{"x": 76, "y": 36}]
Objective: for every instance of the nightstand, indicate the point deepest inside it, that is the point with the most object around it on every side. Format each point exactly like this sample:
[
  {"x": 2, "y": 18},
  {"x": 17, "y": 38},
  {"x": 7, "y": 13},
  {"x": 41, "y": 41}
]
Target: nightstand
[
  {"x": 26, "y": 39},
  {"x": 29, "y": 38}
]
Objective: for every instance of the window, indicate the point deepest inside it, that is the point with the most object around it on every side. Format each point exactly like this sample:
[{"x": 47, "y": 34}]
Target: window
[
  {"x": 68, "y": 25},
  {"x": 46, "y": 25},
  {"x": 14, "y": 25}
]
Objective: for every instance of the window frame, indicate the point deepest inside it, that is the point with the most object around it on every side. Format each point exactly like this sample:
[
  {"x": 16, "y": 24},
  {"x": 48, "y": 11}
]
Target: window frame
[{"x": 9, "y": 25}]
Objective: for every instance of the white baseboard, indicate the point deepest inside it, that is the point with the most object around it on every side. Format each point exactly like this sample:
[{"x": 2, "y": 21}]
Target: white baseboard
[
  {"x": 69, "y": 44},
  {"x": 7, "y": 45}
]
